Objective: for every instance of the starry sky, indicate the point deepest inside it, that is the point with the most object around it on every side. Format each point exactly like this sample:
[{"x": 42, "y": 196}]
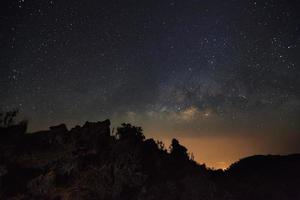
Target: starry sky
[{"x": 222, "y": 76}]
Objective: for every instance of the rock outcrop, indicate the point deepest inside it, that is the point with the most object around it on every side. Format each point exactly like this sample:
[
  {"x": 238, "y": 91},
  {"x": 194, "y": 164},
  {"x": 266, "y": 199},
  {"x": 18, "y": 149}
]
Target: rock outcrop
[
  {"x": 92, "y": 135},
  {"x": 38, "y": 162}
]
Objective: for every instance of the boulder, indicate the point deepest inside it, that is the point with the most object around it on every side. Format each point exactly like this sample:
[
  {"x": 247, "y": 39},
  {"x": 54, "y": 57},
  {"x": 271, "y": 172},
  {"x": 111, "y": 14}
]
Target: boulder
[{"x": 92, "y": 135}]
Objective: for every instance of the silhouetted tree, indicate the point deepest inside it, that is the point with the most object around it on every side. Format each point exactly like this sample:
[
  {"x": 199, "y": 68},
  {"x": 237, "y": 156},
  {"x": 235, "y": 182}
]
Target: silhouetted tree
[
  {"x": 129, "y": 132},
  {"x": 9, "y": 129},
  {"x": 7, "y": 119},
  {"x": 178, "y": 151}
]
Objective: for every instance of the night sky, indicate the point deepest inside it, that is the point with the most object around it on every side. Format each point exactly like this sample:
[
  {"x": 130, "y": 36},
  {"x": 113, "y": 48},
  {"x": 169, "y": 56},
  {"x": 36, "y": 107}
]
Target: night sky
[{"x": 222, "y": 76}]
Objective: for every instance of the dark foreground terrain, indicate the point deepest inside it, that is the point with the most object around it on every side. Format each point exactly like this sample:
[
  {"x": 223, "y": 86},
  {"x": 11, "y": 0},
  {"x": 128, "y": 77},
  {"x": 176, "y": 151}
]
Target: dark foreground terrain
[{"x": 88, "y": 162}]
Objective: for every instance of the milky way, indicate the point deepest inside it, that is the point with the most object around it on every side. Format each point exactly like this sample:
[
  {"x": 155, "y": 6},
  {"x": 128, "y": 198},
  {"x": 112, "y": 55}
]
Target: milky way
[{"x": 177, "y": 68}]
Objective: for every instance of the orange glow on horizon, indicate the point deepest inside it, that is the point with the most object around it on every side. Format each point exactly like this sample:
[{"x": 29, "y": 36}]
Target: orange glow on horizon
[{"x": 219, "y": 152}]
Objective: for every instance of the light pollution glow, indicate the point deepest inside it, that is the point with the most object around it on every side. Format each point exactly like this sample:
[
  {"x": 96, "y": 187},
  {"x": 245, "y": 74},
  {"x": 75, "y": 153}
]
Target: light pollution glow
[{"x": 212, "y": 140}]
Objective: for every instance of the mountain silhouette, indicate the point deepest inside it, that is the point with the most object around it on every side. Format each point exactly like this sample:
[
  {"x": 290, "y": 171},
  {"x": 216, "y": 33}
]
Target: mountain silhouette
[{"x": 88, "y": 162}]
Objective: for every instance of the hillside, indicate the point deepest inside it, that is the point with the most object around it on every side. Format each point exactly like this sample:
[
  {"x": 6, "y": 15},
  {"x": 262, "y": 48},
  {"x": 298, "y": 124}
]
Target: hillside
[{"x": 88, "y": 162}]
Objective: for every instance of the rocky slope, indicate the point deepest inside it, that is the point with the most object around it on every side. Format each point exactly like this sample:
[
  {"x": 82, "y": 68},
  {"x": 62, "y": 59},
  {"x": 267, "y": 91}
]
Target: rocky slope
[{"x": 87, "y": 162}]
